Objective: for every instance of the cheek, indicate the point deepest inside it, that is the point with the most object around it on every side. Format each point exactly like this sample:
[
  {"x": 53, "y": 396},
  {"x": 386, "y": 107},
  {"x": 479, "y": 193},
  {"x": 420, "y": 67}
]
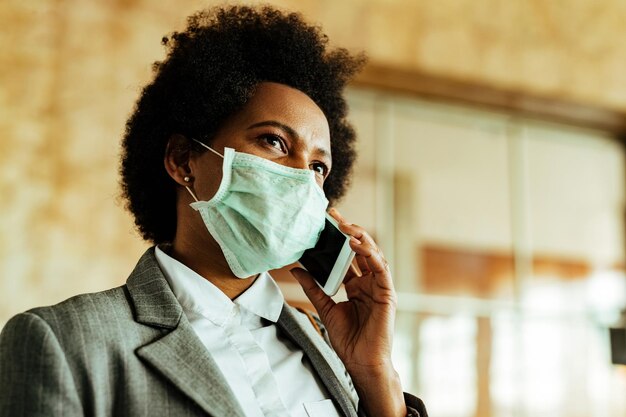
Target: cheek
[{"x": 208, "y": 180}]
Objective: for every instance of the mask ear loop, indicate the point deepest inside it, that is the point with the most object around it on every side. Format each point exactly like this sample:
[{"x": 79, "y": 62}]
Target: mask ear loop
[
  {"x": 209, "y": 148},
  {"x": 212, "y": 150},
  {"x": 191, "y": 192}
]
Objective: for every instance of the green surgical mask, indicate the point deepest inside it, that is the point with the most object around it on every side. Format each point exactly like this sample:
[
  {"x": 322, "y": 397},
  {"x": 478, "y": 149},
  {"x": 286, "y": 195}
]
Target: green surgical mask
[{"x": 264, "y": 215}]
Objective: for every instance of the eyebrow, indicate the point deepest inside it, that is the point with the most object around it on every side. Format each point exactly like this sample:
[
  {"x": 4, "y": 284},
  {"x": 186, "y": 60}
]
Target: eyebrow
[{"x": 291, "y": 132}]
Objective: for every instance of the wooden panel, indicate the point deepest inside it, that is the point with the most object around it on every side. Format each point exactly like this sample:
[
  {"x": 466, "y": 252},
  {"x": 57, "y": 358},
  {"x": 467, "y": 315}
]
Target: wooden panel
[
  {"x": 453, "y": 271},
  {"x": 465, "y": 272},
  {"x": 561, "y": 268},
  {"x": 475, "y": 93}
]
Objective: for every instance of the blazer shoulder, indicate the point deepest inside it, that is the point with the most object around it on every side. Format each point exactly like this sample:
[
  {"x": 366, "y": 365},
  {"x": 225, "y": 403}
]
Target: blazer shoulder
[
  {"x": 34, "y": 371},
  {"x": 23, "y": 326},
  {"x": 96, "y": 319},
  {"x": 82, "y": 307}
]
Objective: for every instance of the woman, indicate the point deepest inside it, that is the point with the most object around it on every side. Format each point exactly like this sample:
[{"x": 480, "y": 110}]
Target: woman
[{"x": 224, "y": 162}]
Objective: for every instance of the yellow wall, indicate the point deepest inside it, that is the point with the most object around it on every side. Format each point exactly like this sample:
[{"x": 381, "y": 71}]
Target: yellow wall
[
  {"x": 569, "y": 49},
  {"x": 71, "y": 70}
]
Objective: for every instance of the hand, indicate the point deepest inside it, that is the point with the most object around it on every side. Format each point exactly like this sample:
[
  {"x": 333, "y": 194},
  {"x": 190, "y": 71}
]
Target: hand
[{"x": 361, "y": 329}]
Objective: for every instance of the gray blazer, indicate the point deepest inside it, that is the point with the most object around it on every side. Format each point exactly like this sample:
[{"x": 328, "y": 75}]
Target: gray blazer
[{"x": 130, "y": 351}]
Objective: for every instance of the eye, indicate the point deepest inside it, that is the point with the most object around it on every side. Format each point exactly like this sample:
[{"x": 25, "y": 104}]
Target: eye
[
  {"x": 275, "y": 142},
  {"x": 319, "y": 168}
]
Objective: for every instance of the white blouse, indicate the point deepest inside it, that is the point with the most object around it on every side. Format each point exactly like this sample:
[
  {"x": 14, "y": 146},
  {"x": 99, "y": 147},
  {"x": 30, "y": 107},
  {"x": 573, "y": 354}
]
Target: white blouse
[{"x": 267, "y": 372}]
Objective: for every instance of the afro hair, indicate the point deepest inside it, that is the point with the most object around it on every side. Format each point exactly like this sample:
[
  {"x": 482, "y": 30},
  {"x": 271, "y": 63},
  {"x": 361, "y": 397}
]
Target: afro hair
[{"x": 210, "y": 71}]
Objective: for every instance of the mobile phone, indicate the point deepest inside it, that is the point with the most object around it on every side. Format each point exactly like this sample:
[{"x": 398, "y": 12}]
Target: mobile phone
[{"x": 329, "y": 260}]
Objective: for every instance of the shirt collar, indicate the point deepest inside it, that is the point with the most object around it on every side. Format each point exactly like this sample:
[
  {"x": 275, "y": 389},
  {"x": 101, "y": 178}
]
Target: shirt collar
[
  {"x": 197, "y": 294},
  {"x": 263, "y": 298}
]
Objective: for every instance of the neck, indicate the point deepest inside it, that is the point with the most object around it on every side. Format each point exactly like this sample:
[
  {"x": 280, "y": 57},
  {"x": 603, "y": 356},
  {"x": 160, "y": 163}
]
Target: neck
[{"x": 207, "y": 260}]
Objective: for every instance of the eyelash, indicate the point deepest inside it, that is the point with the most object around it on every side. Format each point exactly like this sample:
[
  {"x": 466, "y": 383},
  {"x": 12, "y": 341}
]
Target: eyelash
[
  {"x": 268, "y": 138},
  {"x": 324, "y": 169}
]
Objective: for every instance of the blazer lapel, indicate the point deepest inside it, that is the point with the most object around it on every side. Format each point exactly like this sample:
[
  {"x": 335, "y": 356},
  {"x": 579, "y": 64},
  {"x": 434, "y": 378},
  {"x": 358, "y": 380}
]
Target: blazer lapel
[
  {"x": 179, "y": 355},
  {"x": 181, "y": 358},
  {"x": 324, "y": 360}
]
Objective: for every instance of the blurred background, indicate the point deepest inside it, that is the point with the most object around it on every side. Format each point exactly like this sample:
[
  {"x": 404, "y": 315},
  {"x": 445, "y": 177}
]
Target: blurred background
[{"x": 491, "y": 171}]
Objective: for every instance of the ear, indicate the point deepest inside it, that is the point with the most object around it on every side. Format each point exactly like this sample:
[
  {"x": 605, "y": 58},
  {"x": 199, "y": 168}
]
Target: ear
[{"x": 176, "y": 159}]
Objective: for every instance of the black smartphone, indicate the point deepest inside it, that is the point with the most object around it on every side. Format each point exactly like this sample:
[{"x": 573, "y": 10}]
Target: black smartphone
[{"x": 331, "y": 257}]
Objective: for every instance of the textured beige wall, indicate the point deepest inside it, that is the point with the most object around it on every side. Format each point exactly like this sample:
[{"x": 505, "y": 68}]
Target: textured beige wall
[
  {"x": 569, "y": 49},
  {"x": 71, "y": 70}
]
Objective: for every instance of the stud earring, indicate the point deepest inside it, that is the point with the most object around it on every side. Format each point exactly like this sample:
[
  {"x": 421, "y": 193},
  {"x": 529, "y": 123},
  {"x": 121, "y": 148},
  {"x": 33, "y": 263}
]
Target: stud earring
[{"x": 186, "y": 179}]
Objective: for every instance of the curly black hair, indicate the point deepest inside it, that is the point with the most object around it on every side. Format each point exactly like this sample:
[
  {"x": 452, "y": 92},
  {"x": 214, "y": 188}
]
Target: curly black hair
[{"x": 211, "y": 70}]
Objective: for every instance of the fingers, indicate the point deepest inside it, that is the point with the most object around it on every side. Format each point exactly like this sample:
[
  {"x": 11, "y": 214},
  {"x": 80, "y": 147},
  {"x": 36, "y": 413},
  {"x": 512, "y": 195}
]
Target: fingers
[
  {"x": 336, "y": 215},
  {"x": 369, "y": 257},
  {"x": 361, "y": 265},
  {"x": 320, "y": 300}
]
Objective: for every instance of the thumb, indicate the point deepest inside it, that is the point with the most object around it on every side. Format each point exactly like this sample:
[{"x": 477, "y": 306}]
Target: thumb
[{"x": 320, "y": 300}]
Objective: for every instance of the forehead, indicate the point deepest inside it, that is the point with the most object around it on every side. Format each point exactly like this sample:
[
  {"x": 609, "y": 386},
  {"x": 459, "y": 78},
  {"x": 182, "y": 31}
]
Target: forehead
[{"x": 286, "y": 105}]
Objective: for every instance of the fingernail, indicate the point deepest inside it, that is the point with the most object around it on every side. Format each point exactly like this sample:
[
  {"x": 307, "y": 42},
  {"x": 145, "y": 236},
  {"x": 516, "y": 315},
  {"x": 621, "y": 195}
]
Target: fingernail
[{"x": 355, "y": 240}]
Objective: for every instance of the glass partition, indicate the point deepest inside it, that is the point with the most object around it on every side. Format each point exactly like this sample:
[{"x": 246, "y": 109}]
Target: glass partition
[{"x": 506, "y": 241}]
